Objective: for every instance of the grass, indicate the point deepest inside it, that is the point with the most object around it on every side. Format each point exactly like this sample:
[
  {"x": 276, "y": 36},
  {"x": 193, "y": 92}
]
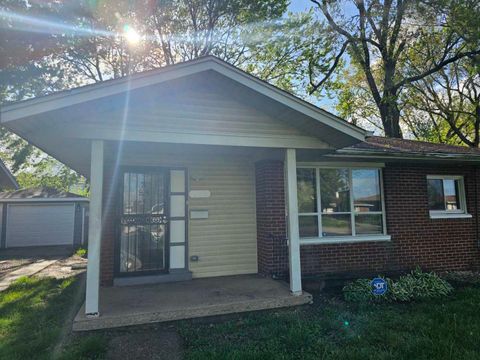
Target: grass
[
  {"x": 439, "y": 329},
  {"x": 33, "y": 314}
]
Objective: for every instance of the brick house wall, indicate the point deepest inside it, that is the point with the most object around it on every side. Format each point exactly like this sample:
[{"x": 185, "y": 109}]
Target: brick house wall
[
  {"x": 417, "y": 240},
  {"x": 272, "y": 250},
  {"x": 433, "y": 244},
  {"x": 109, "y": 231}
]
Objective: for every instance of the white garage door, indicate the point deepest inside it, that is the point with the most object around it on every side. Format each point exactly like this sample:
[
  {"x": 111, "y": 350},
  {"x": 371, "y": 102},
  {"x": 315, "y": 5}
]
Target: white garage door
[{"x": 40, "y": 225}]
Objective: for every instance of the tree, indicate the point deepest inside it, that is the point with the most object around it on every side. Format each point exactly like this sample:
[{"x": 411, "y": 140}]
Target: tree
[
  {"x": 50, "y": 173},
  {"x": 381, "y": 37},
  {"x": 81, "y": 43},
  {"x": 28, "y": 67},
  {"x": 450, "y": 100},
  {"x": 171, "y": 31}
]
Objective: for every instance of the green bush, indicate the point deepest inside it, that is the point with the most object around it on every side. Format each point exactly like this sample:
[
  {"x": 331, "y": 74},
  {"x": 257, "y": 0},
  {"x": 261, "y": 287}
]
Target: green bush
[
  {"x": 417, "y": 285},
  {"x": 81, "y": 252}
]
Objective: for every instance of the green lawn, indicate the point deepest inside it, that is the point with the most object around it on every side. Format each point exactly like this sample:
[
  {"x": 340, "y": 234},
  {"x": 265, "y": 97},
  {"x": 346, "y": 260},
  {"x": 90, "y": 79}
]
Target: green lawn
[
  {"x": 330, "y": 329},
  {"x": 33, "y": 319},
  {"x": 34, "y": 312}
]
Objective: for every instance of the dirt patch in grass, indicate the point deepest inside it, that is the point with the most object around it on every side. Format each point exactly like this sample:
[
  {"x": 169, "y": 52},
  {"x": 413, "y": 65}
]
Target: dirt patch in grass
[
  {"x": 7, "y": 266},
  {"x": 65, "y": 268},
  {"x": 154, "y": 345},
  {"x": 153, "y": 341}
]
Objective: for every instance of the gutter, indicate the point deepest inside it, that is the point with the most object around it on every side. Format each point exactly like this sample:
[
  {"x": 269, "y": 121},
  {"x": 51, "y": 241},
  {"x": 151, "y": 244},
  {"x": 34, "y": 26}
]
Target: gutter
[
  {"x": 44, "y": 200},
  {"x": 401, "y": 156}
]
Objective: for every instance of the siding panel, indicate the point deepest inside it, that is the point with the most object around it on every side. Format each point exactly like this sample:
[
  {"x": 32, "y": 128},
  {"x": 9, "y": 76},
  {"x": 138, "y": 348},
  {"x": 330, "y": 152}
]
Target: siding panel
[
  {"x": 225, "y": 242},
  {"x": 197, "y": 112}
]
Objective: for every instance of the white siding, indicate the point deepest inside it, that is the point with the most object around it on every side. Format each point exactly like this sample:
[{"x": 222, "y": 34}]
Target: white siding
[
  {"x": 40, "y": 225},
  {"x": 205, "y": 112},
  {"x": 225, "y": 242}
]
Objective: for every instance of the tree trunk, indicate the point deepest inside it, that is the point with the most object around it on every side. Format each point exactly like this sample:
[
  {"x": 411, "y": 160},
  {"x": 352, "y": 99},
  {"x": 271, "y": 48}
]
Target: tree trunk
[
  {"x": 388, "y": 105},
  {"x": 390, "y": 115}
]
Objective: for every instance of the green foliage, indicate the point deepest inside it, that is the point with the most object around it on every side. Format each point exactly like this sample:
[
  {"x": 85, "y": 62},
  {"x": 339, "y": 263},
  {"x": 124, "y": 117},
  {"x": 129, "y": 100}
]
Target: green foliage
[
  {"x": 387, "y": 47},
  {"x": 49, "y": 172},
  {"x": 416, "y": 285},
  {"x": 81, "y": 252},
  {"x": 87, "y": 47}
]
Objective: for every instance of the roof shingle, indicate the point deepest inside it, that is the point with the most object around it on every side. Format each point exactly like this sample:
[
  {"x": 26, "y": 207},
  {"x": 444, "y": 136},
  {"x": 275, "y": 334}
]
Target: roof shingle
[{"x": 380, "y": 144}]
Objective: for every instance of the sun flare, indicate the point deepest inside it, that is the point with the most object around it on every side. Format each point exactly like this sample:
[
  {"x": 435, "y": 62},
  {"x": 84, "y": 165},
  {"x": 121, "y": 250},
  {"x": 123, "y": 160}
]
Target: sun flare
[{"x": 131, "y": 35}]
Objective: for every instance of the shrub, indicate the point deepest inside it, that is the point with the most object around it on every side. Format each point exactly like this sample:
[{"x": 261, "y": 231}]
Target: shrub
[
  {"x": 81, "y": 252},
  {"x": 420, "y": 285},
  {"x": 416, "y": 285}
]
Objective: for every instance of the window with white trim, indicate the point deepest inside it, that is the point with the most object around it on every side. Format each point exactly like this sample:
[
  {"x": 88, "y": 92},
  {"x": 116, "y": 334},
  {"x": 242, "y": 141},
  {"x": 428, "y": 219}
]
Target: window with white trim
[
  {"x": 340, "y": 202},
  {"x": 446, "y": 195}
]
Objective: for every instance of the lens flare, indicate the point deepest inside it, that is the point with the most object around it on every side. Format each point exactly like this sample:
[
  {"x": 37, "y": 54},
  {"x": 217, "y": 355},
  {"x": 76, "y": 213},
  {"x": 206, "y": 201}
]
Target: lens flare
[{"x": 131, "y": 35}]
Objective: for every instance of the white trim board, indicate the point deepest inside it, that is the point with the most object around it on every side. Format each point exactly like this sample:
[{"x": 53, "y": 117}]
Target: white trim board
[
  {"x": 344, "y": 239},
  {"x": 44, "y": 200},
  {"x": 89, "y": 132}
]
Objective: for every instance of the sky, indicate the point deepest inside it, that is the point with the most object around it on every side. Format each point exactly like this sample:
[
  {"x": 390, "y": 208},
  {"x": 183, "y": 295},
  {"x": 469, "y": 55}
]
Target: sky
[{"x": 300, "y": 5}]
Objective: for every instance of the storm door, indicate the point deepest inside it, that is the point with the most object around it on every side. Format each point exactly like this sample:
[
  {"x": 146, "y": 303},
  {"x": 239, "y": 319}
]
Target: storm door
[{"x": 143, "y": 240}]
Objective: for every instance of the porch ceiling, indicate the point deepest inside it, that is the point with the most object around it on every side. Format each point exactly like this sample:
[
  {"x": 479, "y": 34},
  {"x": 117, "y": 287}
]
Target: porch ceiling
[{"x": 134, "y": 305}]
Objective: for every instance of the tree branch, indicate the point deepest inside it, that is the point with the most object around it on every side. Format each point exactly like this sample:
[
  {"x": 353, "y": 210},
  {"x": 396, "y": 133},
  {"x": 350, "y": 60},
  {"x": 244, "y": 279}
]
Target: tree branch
[
  {"x": 436, "y": 68},
  {"x": 329, "y": 72}
]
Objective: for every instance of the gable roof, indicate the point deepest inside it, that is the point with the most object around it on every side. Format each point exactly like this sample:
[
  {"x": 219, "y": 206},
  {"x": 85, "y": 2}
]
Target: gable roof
[
  {"x": 7, "y": 180},
  {"x": 62, "y": 99},
  {"x": 377, "y": 146}
]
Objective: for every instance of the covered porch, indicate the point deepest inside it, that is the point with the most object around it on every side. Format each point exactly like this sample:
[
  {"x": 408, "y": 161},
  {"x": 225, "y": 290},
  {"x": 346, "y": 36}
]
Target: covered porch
[
  {"x": 193, "y": 175},
  {"x": 142, "y": 304},
  {"x": 225, "y": 242}
]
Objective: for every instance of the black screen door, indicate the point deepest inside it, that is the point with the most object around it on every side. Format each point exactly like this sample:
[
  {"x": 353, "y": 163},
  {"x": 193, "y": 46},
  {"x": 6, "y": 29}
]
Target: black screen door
[{"x": 143, "y": 223}]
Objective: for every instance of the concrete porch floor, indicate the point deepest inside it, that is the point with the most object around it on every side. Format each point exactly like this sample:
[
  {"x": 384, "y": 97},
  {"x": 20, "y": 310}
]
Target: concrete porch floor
[{"x": 142, "y": 304}]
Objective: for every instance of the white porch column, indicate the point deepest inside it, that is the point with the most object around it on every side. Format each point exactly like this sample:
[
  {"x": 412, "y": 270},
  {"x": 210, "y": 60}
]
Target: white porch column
[
  {"x": 94, "y": 228},
  {"x": 293, "y": 229}
]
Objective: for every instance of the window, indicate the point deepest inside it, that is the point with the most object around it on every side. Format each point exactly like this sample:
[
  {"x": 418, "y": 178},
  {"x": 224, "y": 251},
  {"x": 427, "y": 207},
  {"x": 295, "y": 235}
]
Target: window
[
  {"x": 335, "y": 203},
  {"x": 446, "y": 196}
]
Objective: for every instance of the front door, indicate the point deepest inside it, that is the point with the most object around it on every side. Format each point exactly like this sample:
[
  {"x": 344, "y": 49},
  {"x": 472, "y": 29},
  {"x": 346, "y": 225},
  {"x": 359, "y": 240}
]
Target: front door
[{"x": 143, "y": 241}]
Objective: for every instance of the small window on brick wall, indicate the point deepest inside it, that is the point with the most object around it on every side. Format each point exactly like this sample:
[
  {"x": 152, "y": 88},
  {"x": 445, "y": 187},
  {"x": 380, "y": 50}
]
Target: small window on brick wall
[
  {"x": 446, "y": 196},
  {"x": 338, "y": 203}
]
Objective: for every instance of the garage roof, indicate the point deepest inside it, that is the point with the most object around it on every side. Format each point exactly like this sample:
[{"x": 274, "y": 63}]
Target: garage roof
[{"x": 39, "y": 194}]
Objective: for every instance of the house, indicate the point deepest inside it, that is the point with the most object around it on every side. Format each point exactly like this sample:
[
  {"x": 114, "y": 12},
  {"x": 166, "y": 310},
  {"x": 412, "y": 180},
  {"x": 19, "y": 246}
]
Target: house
[
  {"x": 7, "y": 180},
  {"x": 42, "y": 216},
  {"x": 199, "y": 170}
]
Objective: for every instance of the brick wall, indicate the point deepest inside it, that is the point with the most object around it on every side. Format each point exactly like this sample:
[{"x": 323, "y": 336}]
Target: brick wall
[
  {"x": 271, "y": 226},
  {"x": 109, "y": 230},
  {"x": 438, "y": 244},
  {"x": 433, "y": 244}
]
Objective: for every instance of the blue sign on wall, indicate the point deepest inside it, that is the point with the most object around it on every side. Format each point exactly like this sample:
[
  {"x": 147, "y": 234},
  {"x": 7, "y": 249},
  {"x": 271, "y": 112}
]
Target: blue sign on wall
[{"x": 379, "y": 286}]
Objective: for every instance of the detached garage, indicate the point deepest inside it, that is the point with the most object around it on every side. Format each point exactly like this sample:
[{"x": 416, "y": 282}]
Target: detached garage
[{"x": 42, "y": 217}]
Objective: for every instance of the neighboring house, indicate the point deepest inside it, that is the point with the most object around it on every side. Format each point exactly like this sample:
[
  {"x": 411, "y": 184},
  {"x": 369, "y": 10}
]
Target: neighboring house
[
  {"x": 201, "y": 170},
  {"x": 7, "y": 180},
  {"x": 42, "y": 217}
]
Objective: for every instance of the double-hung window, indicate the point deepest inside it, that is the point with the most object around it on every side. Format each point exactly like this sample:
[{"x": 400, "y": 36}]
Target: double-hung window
[
  {"x": 446, "y": 196},
  {"x": 340, "y": 203}
]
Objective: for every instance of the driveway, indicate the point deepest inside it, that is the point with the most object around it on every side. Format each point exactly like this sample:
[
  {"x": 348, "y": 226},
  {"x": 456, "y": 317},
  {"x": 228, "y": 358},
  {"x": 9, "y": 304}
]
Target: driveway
[{"x": 52, "y": 261}]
